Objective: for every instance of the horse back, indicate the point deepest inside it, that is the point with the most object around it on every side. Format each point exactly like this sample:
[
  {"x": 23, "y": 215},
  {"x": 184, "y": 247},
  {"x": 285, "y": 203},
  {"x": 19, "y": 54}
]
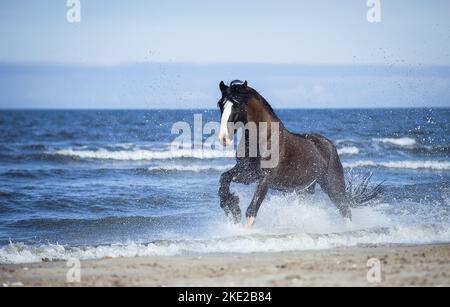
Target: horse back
[{"x": 324, "y": 146}]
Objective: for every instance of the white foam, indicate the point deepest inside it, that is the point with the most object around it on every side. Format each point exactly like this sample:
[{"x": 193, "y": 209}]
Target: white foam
[
  {"x": 349, "y": 150},
  {"x": 416, "y": 165},
  {"x": 313, "y": 214},
  {"x": 405, "y": 141},
  {"x": 285, "y": 223},
  {"x": 250, "y": 243},
  {"x": 143, "y": 155},
  {"x": 191, "y": 168}
]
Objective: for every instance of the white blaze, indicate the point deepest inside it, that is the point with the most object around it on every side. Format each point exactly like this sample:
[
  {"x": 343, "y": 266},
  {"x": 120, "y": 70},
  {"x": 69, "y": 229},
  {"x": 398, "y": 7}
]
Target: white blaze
[{"x": 224, "y": 135}]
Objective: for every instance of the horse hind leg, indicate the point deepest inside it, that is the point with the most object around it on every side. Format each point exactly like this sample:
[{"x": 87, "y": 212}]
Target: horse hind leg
[
  {"x": 333, "y": 184},
  {"x": 332, "y": 179},
  {"x": 336, "y": 193},
  {"x": 311, "y": 189},
  {"x": 304, "y": 191}
]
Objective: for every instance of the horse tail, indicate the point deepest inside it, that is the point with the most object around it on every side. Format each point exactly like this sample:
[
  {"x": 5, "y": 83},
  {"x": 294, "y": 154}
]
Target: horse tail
[{"x": 360, "y": 194}]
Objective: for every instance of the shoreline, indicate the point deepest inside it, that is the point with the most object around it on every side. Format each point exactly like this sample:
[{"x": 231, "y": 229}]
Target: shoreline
[{"x": 422, "y": 265}]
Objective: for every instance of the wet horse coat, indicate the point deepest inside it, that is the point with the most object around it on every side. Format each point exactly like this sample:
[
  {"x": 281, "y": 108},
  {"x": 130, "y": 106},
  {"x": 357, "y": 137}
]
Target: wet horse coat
[{"x": 304, "y": 160}]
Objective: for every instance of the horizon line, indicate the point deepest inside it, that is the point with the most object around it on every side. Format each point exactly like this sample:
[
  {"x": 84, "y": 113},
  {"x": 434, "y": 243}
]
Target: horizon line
[
  {"x": 136, "y": 63},
  {"x": 215, "y": 109}
]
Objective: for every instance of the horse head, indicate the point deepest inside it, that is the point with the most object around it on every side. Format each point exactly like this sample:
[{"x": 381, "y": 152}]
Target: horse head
[{"x": 233, "y": 108}]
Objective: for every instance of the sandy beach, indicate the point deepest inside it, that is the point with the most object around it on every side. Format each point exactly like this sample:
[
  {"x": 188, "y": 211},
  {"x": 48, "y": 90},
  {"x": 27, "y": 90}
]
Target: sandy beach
[{"x": 400, "y": 266}]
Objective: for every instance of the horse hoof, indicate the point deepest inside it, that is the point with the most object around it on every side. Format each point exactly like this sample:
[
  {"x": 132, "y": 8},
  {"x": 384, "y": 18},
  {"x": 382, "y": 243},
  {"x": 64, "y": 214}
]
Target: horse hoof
[
  {"x": 236, "y": 215},
  {"x": 347, "y": 221},
  {"x": 250, "y": 222},
  {"x": 231, "y": 206}
]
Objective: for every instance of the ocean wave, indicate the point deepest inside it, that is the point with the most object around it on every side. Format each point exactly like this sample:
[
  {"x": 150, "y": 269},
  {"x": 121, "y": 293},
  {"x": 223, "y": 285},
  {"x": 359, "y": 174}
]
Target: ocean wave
[
  {"x": 415, "y": 165},
  {"x": 18, "y": 174},
  {"x": 36, "y": 173},
  {"x": 160, "y": 220},
  {"x": 34, "y": 147},
  {"x": 44, "y": 157},
  {"x": 190, "y": 168},
  {"x": 11, "y": 194},
  {"x": 404, "y": 141},
  {"x": 349, "y": 150},
  {"x": 287, "y": 223},
  {"x": 20, "y": 253},
  {"x": 58, "y": 135},
  {"x": 143, "y": 155},
  {"x": 430, "y": 150}
]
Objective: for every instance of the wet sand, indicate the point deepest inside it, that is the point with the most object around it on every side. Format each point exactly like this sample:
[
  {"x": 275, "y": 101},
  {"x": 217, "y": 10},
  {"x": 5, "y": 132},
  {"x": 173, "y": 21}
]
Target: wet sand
[{"x": 427, "y": 265}]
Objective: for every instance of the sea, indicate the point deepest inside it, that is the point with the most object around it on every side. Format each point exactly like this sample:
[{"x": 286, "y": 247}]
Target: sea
[{"x": 94, "y": 184}]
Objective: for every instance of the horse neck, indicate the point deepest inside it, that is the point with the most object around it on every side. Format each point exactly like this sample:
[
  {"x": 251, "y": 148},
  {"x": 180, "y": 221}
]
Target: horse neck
[{"x": 258, "y": 112}]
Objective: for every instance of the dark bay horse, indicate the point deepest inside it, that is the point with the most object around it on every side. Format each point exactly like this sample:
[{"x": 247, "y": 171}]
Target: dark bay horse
[{"x": 303, "y": 160}]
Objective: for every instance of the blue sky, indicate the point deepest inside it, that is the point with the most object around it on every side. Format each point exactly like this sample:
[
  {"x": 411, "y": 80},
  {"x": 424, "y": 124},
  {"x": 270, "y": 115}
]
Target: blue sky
[
  {"x": 123, "y": 34},
  {"x": 326, "y": 32}
]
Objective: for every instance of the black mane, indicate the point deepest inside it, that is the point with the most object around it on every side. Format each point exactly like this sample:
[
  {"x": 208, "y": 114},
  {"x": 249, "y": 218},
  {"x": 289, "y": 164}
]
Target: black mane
[{"x": 237, "y": 89}]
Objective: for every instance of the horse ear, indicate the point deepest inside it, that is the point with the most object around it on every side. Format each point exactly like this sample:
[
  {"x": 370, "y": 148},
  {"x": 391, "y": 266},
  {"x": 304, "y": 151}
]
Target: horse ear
[
  {"x": 245, "y": 84},
  {"x": 222, "y": 86}
]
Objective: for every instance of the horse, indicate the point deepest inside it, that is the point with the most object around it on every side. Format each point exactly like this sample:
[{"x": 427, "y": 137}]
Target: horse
[{"x": 302, "y": 160}]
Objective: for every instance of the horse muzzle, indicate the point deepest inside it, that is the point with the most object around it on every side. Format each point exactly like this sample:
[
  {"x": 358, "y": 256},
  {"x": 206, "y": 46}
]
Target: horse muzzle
[{"x": 225, "y": 139}]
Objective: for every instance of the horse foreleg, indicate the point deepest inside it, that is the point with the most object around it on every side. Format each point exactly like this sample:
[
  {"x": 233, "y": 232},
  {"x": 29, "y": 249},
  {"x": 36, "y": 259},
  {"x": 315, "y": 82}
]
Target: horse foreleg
[
  {"x": 258, "y": 198},
  {"x": 228, "y": 201}
]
